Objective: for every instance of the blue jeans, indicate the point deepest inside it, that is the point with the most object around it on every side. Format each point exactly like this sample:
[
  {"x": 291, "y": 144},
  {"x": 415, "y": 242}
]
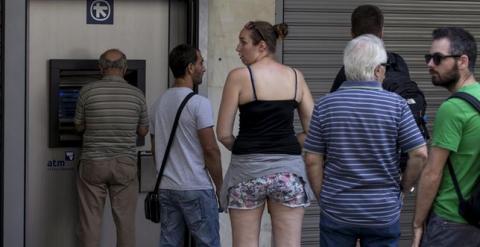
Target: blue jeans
[
  {"x": 333, "y": 233},
  {"x": 440, "y": 232},
  {"x": 195, "y": 209}
]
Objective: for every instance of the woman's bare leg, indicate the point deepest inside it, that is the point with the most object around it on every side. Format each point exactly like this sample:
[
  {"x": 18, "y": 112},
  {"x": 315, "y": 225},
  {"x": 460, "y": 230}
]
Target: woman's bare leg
[
  {"x": 286, "y": 224},
  {"x": 246, "y": 226}
]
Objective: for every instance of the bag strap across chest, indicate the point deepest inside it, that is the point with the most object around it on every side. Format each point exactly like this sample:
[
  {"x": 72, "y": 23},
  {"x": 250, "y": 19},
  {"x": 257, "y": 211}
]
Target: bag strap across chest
[
  {"x": 170, "y": 140},
  {"x": 476, "y": 104}
]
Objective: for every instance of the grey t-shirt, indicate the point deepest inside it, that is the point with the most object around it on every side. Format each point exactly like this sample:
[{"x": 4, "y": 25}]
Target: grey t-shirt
[{"x": 185, "y": 168}]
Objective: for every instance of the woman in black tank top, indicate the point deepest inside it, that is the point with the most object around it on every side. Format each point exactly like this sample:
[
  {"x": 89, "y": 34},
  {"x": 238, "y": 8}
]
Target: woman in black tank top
[{"x": 267, "y": 94}]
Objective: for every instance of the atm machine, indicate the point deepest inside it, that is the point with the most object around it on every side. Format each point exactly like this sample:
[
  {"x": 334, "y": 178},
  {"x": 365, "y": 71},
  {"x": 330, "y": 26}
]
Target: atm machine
[
  {"x": 61, "y": 54},
  {"x": 67, "y": 77}
]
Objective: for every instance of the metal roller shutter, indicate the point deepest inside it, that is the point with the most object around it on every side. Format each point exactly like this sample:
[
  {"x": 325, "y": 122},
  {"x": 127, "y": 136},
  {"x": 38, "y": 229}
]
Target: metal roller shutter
[{"x": 319, "y": 30}]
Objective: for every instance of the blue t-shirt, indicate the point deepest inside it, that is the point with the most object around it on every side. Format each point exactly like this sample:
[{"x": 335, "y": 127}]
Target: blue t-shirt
[{"x": 361, "y": 130}]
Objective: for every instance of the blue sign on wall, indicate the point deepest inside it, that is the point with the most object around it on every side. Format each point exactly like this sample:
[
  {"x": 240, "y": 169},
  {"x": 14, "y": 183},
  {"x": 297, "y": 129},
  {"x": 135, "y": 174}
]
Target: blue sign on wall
[{"x": 99, "y": 11}]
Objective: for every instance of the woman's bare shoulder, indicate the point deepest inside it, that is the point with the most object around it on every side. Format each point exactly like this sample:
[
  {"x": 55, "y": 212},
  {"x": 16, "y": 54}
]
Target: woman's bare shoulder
[
  {"x": 240, "y": 71},
  {"x": 237, "y": 75}
]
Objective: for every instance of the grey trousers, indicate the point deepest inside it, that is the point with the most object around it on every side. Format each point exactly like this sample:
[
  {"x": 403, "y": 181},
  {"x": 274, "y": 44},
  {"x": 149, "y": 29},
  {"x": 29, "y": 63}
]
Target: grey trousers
[
  {"x": 97, "y": 178},
  {"x": 440, "y": 232}
]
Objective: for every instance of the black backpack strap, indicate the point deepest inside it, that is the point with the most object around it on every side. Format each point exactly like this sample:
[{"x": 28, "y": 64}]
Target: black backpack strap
[
  {"x": 468, "y": 98},
  {"x": 170, "y": 140},
  {"x": 339, "y": 79},
  {"x": 476, "y": 104},
  {"x": 454, "y": 180}
]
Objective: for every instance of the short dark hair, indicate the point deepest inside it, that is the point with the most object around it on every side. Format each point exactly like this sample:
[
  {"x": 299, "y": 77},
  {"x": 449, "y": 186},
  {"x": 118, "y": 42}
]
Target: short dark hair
[
  {"x": 367, "y": 19},
  {"x": 180, "y": 57},
  {"x": 262, "y": 30},
  {"x": 461, "y": 43}
]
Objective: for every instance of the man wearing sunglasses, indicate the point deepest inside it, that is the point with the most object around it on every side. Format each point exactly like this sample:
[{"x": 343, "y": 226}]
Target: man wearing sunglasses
[{"x": 451, "y": 62}]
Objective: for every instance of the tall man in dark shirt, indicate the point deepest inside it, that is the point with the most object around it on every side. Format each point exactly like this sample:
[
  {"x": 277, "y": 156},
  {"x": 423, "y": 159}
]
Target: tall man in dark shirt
[
  {"x": 368, "y": 19},
  {"x": 110, "y": 113}
]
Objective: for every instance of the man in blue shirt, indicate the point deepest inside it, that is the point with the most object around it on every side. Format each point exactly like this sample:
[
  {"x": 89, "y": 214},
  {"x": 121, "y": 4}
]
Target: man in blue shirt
[{"x": 353, "y": 151}]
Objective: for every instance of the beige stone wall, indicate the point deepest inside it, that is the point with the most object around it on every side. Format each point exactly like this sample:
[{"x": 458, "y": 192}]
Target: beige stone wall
[{"x": 226, "y": 19}]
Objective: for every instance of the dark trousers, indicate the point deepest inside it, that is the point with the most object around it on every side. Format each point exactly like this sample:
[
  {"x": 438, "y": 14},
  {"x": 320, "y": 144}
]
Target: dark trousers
[
  {"x": 333, "y": 233},
  {"x": 440, "y": 232}
]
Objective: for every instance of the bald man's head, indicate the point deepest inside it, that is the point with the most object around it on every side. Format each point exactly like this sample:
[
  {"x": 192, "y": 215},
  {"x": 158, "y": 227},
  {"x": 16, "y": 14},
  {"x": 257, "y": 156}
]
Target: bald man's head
[{"x": 113, "y": 60}]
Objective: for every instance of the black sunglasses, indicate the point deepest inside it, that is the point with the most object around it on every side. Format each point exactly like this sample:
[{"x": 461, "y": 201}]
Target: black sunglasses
[{"x": 437, "y": 57}]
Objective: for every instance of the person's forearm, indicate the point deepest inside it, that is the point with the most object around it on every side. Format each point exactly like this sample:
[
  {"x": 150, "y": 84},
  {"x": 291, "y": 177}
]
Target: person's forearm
[
  {"x": 227, "y": 141},
  {"x": 301, "y": 138},
  {"x": 315, "y": 180},
  {"x": 214, "y": 167},
  {"x": 414, "y": 168},
  {"x": 142, "y": 131},
  {"x": 427, "y": 190},
  {"x": 315, "y": 176}
]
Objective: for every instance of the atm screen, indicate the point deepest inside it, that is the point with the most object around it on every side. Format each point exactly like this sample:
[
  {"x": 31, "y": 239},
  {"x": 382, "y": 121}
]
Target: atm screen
[
  {"x": 67, "y": 98},
  {"x": 67, "y": 77}
]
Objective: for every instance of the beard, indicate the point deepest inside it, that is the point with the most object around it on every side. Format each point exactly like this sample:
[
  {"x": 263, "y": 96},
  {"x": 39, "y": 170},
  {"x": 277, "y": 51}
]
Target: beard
[
  {"x": 198, "y": 80},
  {"x": 448, "y": 79}
]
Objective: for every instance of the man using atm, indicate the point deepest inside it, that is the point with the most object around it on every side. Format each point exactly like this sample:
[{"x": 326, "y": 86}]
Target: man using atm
[{"x": 110, "y": 113}]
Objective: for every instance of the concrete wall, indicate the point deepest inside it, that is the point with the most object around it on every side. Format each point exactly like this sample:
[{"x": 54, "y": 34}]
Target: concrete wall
[
  {"x": 58, "y": 29},
  {"x": 226, "y": 19}
]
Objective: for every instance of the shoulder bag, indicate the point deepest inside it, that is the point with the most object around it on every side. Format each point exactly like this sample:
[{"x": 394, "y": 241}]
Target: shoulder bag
[{"x": 152, "y": 202}]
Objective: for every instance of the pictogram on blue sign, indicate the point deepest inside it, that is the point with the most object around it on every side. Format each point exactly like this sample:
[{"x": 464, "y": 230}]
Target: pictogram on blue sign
[{"x": 99, "y": 11}]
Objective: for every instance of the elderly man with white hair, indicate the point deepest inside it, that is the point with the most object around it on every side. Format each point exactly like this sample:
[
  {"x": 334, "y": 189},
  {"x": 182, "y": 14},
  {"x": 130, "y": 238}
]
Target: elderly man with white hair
[{"x": 353, "y": 151}]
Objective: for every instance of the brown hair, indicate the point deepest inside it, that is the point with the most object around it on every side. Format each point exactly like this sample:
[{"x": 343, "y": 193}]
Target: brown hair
[{"x": 262, "y": 30}]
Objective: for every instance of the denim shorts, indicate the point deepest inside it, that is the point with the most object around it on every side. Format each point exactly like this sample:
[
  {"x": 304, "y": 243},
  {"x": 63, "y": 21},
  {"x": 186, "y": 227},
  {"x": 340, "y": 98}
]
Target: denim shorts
[{"x": 285, "y": 188}]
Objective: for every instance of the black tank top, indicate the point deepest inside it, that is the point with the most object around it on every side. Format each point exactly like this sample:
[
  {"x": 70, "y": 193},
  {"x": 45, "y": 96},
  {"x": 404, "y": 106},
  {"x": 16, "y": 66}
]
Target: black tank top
[{"x": 266, "y": 126}]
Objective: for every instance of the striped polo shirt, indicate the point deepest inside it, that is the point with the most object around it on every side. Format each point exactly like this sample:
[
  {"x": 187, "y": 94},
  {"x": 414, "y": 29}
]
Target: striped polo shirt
[
  {"x": 361, "y": 130},
  {"x": 111, "y": 111}
]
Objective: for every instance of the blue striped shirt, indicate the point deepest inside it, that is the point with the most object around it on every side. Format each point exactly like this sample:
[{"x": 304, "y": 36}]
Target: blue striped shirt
[{"x": 361, "y": 130}]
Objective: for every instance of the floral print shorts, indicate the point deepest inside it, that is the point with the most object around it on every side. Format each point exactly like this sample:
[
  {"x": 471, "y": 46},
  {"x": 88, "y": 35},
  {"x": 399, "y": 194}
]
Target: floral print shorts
[{"x": 285, "y": 188}]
